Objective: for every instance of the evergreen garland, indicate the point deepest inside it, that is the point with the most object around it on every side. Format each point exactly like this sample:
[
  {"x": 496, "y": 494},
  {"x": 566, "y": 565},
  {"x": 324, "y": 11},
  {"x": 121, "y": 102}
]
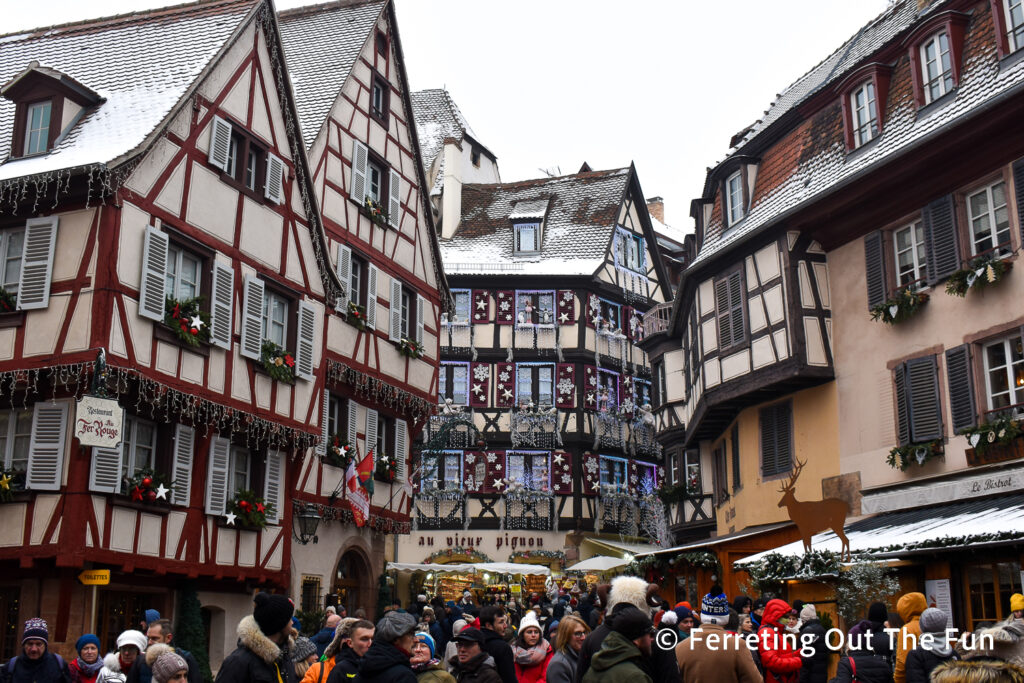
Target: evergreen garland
[
  {"x": 862, "y": 584},
  {"x": 383, "y": 594},
  {"x": 189, "y": 633}
]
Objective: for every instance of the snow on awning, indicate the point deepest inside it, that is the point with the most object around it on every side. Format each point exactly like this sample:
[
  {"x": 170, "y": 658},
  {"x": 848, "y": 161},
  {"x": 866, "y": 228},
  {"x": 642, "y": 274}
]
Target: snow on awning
[{"x": 973, "y": 523}]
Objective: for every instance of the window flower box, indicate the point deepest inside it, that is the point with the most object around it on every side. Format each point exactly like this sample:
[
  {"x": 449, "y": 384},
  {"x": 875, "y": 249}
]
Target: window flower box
[
  {"x": 277, "y": 362},
  {"x": 374, "y": 211},
  {"x": 995, "y": 441},
  {"x": 185, "y": 319},
  {"x": 386, "y": 468},
  {"x": 8, "y": 301},
  {"x": 902, "y": 457},
  {"x": 355, "y": 315},
  {"x": 985, "y": 270},
  {"x": 250, "y": 510},
  {"x": 148, "y": 487},
  {"x": 409, "y": 348},
  {"x": 904, "y": 303},
  {"x": 338, "y": 453},
  {"x": 12, "y": 482}
]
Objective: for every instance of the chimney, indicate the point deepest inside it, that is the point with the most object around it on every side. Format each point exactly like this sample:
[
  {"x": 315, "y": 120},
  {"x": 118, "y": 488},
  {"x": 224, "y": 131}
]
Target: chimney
[{"x": 656, "y": 207}]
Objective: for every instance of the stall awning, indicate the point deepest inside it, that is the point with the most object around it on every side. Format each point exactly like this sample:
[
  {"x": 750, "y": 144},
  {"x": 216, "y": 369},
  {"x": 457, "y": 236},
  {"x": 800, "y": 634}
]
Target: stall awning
[
  {"x": 971, "y": 523},
  {"x": 622, "y": 547},
  {"x": 717, "y": 540},
  {"x": 598, "y": 563},
  {"x": 472, "y": 567}
]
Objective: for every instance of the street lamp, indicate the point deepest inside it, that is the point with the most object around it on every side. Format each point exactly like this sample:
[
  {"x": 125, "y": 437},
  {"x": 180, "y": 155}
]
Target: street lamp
[{"x": 305, "y": 521}]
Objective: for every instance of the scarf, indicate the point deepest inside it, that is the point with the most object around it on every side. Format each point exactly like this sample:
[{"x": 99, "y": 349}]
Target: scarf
[
  {"x": 126, "y": 668},
  {"x": 532, "y": 656},
  {"x": 89, "y": 670},
  {"x": 424, "y": 666}
]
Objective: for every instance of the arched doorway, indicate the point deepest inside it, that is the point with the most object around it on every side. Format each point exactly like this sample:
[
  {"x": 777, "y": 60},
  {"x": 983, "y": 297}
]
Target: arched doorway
[{"x": 353, "y": 584}]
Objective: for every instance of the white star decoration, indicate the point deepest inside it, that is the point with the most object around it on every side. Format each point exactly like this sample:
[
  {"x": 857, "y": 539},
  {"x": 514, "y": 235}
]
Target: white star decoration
[
  {"x": 197, "y": 322},
  {"x": 477, "y": 389},
  {"x": 481, "y": 304},
  {"x": 231, "y": 518},
  {"x": 559, "y": 459},
  {"x": 563, "y": 317},
  {"x": 506, "y": 394},
  {"x": 161, "y": 492},
  {"x": 499, "y": 484}
]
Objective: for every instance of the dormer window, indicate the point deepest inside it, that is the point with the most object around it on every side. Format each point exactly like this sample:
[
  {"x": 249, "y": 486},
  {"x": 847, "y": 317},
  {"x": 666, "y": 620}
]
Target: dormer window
[
  {"x": 37, "y": 130},
  {"x": 936, "y": 67},
  {"x": 936, "y": 55},
  {"x": 865, "y": 117},
  {"x": 527, "y": 237},
  {"x": 527, "y": 218},
  {"x": 734, "y": 198},
  {"x": 1008, "y": 17},
  {"x": 864, "y": 94}
]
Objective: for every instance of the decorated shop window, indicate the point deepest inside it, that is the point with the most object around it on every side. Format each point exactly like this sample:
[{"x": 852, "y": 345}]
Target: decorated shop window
[
  {"x": 613, "y": 473},
  {"x": 530, "y": 468},
  {"x": 442, "y": 470},
  {"x": 535, "y": 307}
]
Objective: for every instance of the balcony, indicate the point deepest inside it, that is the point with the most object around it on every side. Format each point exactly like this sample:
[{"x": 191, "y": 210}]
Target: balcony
[
  {"x": 618, "y": 512},
  {"x": 440, "y": 509},
  {"x": 610, "y": 344},
  {"x": 657, "y": 319},
  {"x": 535, "y": 428},
  {"x": 530, "y": 510},
  {"x": 611, "y": 430},
  {"x": 643, "y": 438},
  {"x": 456, "y": 336},
  {"x": 450, "y": 428}
]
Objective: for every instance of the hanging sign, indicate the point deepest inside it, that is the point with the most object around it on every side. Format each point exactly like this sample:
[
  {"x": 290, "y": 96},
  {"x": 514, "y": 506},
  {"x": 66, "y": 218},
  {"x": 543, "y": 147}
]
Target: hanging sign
[
  {"x": 98, "y": 422},
  {"x": 939, "y": 595}
]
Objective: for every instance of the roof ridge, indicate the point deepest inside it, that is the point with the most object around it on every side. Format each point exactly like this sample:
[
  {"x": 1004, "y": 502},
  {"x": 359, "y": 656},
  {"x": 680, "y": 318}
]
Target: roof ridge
[
  {"x": 127, "y": 17},
  {"x": 320, "y": 7},
  {"x": 607, "y": 173}
]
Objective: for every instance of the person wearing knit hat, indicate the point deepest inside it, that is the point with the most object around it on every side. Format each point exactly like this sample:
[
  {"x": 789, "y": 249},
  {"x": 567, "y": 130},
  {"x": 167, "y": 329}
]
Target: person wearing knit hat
[
  {"x": 86, "y": 666},
  {"x": 166, "y": 664},
  {"x": 531, "y": 651},
  {"x": 36, "y": 662},
  {"x": 427, "y": 667},
  {"x": 303, "y": 656},
  {"x": 263, "y": 652},
  {"x": 716, "y": 655},
  {"x": 1016, "y": 607},
  {"x": 450, "y": 650},
  {"x": 933, "y": 647},
  {"x": 623, "y": 653},
  {"x": 714, "y": 607},
  {"x": 878, "y": 613},
  {"x": 117, "y": 666},
  {"x": 387, "y": 660},
  {"x": 814, "y": 652}
]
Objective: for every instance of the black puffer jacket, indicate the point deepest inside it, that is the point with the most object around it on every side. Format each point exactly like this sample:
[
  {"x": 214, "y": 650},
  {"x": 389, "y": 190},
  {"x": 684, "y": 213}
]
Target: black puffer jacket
[
  {"x": 346, "y": 665},
  {"x": 385, "y": 663},
  {"x": 921, "y": 661},
  {"x": 501, "y": 652},
  {"x": 869, "y": 668},
  {"x": 815, "y": 667},
  {"x": 257, "y": 658}
]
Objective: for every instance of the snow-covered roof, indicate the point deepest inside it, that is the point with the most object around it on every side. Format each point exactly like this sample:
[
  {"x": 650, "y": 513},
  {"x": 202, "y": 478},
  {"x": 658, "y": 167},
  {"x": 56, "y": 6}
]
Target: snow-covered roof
[
  {"x": 321, "y": 44},
  {"x": 577, "y": 231},
  {"x": 529, "y": 209},
  {"x": 437, "y": 119},
  {"x": 663, "y": 230},
  {"x": 141, "y": 64}
]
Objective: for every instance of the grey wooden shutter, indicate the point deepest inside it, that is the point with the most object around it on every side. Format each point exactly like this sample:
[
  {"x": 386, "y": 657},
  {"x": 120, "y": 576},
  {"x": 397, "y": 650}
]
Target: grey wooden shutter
[
  {"x": 961, "y": 388},
  {"x": 221, "y": 305},
  {"x": 902, "y": 405},
  {"x": 736, "y": 306},
  {"x": 724, "y": 322},
  {"x": 306, "y": 341},
  {"x": 352, "y": 415},
  {"x": 776, "y": 439},
  {"x": 37, "y": 263},
  {"x": 769, "y": 466},
  {"x": 942, "y": 244},
  {"x": 735, "y": 457},
  {"x": 252, "y": 317},
  {"x": 1018, "y": 185},
  {"x": 154, "y": 274},
  {"x": 273, "y": 484},
  {"x": 371, "y": 430},
  {"x": 371, "y": 297},
  {"x": 360, "y": 157},
  {"x": 184, "y": 448},
  {"x": 419, "y": 318},
  {"x": 874, "y": 268},
  {"x": 220, "y": 143},
  {"x": 46, "y": 446},
  {"x": 345, "y": 275},
  {"x": 273, "y": 188},
  {"x": 217, "y": 476},
  {"x": 325, "y": 409},
  {"x": 105, "y": 474},
  {"x": 401, "y": 448},
  {"x": 395, "y": 198},
  {"x": 923, "y": 390},
  {"x": 395, "y": 331}
]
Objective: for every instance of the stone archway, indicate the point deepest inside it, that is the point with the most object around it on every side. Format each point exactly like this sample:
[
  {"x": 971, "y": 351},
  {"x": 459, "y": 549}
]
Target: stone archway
[{"x": 354, "y": 585}]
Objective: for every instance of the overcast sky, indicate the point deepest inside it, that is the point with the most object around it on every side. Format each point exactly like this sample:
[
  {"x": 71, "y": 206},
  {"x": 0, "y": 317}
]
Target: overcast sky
[{"x": 549, "y": 84}]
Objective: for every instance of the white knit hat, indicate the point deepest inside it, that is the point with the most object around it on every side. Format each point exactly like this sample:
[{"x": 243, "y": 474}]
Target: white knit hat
[
  {"x": 132, "y": 637},
  {"x": 529, "y": 620}
]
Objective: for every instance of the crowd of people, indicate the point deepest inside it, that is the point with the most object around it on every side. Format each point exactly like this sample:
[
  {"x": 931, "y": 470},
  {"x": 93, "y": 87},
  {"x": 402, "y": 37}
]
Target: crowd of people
[{"x": 621, "y": 632}]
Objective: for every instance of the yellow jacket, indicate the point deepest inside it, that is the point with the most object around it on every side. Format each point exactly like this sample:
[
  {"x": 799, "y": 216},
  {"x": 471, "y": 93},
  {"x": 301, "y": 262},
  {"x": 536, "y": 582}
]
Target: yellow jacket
[{"x": 909, "y": 607}]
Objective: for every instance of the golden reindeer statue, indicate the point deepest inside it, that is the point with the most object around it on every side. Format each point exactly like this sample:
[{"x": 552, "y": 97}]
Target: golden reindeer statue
[{"x": 812, "y": 517}]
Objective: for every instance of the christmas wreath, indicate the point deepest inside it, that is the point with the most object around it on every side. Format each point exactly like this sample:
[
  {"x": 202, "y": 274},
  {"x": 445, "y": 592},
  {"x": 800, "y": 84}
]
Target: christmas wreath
[
  {"x": 250, "y": 509},
  {"x": 902, "y": 457},
  {"x": 356, "y": 315},
  {"x": 278, "y": 363},
  {"x": 987, "y": 269},
  {"x": 338, "y": 453},
  {"x": 10, "y": 481},
  {"x": 147, "y": 486},
  {"x": 8, "y": 301},
  {"x": 903, "y": 304},
  {"x": 408, "y": 347},
  {"x": 375, "y": 211},
  {"x": 999, "y": 431},
  {"x": 190, "y": 324}
]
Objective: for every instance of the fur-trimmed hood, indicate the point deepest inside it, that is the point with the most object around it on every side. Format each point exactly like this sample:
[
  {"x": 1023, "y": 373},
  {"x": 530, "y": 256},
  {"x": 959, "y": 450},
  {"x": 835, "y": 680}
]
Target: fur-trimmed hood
[
  {"x": 1007, "y": 641},
  {"x": 629, "y": 589},
  {"x": 977, "y": 671},
  {"x": 154, "y": 651},
  {"x": 112, "y": 663},
  {"x": 251, "y": 638}
]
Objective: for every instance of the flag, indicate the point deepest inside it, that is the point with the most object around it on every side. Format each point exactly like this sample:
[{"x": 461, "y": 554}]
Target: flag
[
  {"x": 357, "y": 497},
  {"x": 365, "y": 472}
]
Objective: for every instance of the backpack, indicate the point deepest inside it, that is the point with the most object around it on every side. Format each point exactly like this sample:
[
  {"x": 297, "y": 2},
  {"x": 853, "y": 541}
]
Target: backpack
[{"x": 11, "y": 663}]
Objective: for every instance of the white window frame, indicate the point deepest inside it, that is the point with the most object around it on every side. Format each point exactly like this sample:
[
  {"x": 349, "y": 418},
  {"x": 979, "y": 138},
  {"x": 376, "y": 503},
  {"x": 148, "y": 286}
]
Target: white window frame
[
  {"x": 173, "y": 276},
  {"x": 465, "y": 295},
  {"x": 382, "y": 435},
  {"x": 334, "y": 414},
  {"x": 534, "y": 230},
  {"x": 916, "y": 251},
  {"x": 1014, "y": 394},
  {"x": 9, "y": 425},
  {"x": 269, "y": 298},
  {"x": 673, "y": 464},
  {"x": 528, "y": 459},
  {"x": 233, "y": 470},
  {"x": 375, "y": 171},
  {"x": 129, "y": 447},
  {"x": 441, "y": 467},
  {"x": 734, "y": 198},
  {"x": 534, "y": 375},
  {"x": 43, "y": 132},
  {"x": 545, "y": 294},
  {"x": 616, "y": 485},
  {"x": 691, "y": 460},
  {"x": 6, "y": 238},
  {"x": 989, "y": 213},
  {"x": 934, "y": 85},
  {"x": 377, "y": 98},
  {"x": 1014, "y": 31},
  {"x": 864, "y": 110}
]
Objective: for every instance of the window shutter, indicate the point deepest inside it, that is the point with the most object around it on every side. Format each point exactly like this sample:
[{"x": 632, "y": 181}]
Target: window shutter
[
  {"x": 961, "y": 388},
  {"x": 273, "y": 188},
  {"x": 325, "y": 408},
  {"x": 352, "y": 415},
  {"x": 769, "y": 464},
  {"x": 371, "y": 430},
  {"x": 736, "y": 306},
  {"x": 783, "y": 436},
  {"x": 252, "y": 318},
  {"x": 401, "y": 448},
  {"x": 37, "y": 264},
  {"x": 942, "y": 244},
  {"x": 371, "y": 297},
  {"x": 184, "y": 447},
  {"x": 724, "y": 322},
  {"x": 902, "y": 406},
  {"x": 306, "y": 341},
  {"x": 505, "y": 385},
  {"x": 220, "y": 143},
  {"x": 46, "y": 446},
  {"x": 874, "y": 268},
  {"x": 419, "y": 318},
  {"x": 360, "y": 157},
  {"x": 395, "y": 331},
  {"x": 591, "y": 469},
  {"x": 217, "y": 476},
  {"x": 345, "y": 275},
  {"x": 565, "y": 386},
  {"x": 1018, "y": 185},
  {"x": 736, "y": 458},
  {"x": 923, "y": 389},
  {"x": 105, "y": 475},
  {"x": 273, "y": 482},
  {"x": 154, "y": 273},
  {"x": 505, "y": 303},
  {"x": 395, "y": 198},
  {"x": 221, "y": 305}
]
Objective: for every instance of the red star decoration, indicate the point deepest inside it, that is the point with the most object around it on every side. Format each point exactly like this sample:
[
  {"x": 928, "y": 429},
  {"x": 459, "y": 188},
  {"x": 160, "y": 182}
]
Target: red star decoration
[
  {"x": 136, "y": 493},
  {"x": 259, "y": 508}
]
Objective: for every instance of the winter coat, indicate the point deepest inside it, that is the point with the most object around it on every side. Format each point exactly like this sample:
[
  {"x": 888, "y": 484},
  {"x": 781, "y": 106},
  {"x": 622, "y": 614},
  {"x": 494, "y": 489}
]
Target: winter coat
[
  {"x": 385, "y": 663},
  {"x": 450, "y": 653},
  {"x": 437, "y": 633},
  {"x": 434, "y": 673},
  {"x": 80, "y": 676},
  {"x": 814, "y": 669},
  {"x": 504, "y": 662},
  {"x": 618, "y": 661},
  {"x": 909, "y": 607},
  {"x": 662, "y": 664},
  {"x": 50, "y": 668},
  {"x": 871, "y": 668},
  {"x": 725, "y": 659},
  {"x": 480, "y": 669},
  {"x": 562, "y": 667},
  {"x": 257, "y": 659},
  {"x": 780, "y": 660},
  {"x": 923, "y": 658},
  {"x": 536, "y": 673},
  {"x": 343, "y": 666},
  {"x": 142, "y": 670},
  {"x": 322, "y": 639},
  {"x": 978, "y": 670},
  {"x": 111, "y": 671}
]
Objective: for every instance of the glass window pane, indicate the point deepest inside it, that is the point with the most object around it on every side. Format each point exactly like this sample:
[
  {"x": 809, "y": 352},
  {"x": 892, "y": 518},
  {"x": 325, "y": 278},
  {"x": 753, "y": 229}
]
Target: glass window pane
[
  {"x": 544, "y": 381},
  {"x": 452, "y": 472},
  {"x": 188, "y": 288},
  {"x": 525, "y": 384},
  {"x": 462, "y": 311},
  {"x": 460, "y": 380}
]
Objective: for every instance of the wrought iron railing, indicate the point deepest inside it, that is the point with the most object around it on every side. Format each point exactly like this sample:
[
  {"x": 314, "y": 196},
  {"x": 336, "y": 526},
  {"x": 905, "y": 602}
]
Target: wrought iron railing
[
  {"x": 443, "y": 509},
  {"x": 458, "y": 435},
  {"x": 657, "y": 319},
  {"x": 535, "y": 428},
  {"x": 618, "y": 512},
  {"x": 530, "y": 510},
  {"x": 643, "y": 438},
  {"x": 611, "y": 430}
]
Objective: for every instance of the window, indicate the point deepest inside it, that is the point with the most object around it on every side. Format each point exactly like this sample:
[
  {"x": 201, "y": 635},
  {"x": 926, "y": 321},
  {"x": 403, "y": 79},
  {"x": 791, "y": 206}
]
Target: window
[
  {"x": 989, "y": 218},
  {"x": 1004, "y": 373},
  {"x": 240, "y": 471},
  {"x": 629, "y": 250},
  {"x": 719, "y": 475},
  {"x": 776, "y": 439},
  {"x": 336, "y": 415},
  {"x": 908, "y": 242},
  {"x": 610, "y": 313},
  {"x": 454, "y": 383},
  {"x": 379, "y": 99},
  {"x": 735, "y": 441},
  {"x": 382, "y": 44},
  {"x": 139, "y": 446},
  {"x": 529, "y": 468},
  {"x": 356, "y": 287},
  {"x": 646, "y": 476},
  {"x": 184, "y": 271},
  {"x": 374, "y": 181},
  {"x": 865, "y": 116},
  {"x": 642, "y": 390},
  {"x": 246, "y": 161},
  {"x": 729, "y": 309},
  {"x": 1014, "y": 18},
  {"x": 607, "y": 390},
  {"x": 691, "y": 470},
  {"x": 461, "y": 306},
  {"x": 734, "y": 198},
  {"x": 474, "y": 156},
  {"x": 527, "y": 237},
  {"x": 442, "y": 470},
  {"x": 275, "y": 318},
  {"x": 12, "y": 247},
  {"x": 613, "y": 473},
  {"x": 310, "y": 593},
  {"x": 384, "y": 425},
  {"x": 37, "y": 127},
  {"x": 989, "y": 587},
  {"x": 15, "y": 435},
  {"x": 535, "y": 383},
  {"x": 535, "y": 307},
  {"x": 936, "y": 67},
  {"x": 673, "y": 463},
  {"x": 658, "y": 370}
]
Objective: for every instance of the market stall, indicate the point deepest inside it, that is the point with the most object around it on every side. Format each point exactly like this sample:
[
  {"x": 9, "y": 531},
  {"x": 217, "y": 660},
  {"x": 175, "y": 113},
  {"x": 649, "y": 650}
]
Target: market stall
[{"x": 497, "y": 578}]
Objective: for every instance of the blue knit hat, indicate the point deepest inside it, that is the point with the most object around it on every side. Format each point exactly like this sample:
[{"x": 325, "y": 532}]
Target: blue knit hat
[
  {"x": 87, "y": 639},
  {"x": 151, "y": 616},
  {"x": 714, "y": 606},
  {"x": 429, "y": 640}
]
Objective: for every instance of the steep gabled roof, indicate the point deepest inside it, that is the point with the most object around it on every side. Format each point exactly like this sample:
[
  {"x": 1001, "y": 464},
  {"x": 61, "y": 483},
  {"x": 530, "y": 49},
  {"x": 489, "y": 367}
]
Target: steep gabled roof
[
  {"x": 582, "y": 211},
  {"x": 321, "y": 44},
  {"x": 141, "y": 64},
  {"x": 437, "y": 119}
]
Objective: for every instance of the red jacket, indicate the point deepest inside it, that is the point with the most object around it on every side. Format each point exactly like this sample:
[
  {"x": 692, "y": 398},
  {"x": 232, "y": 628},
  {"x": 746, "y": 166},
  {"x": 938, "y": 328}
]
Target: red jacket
[
  {"x": 780, "y": 656},
  {"x": 535, "y": 674}
]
